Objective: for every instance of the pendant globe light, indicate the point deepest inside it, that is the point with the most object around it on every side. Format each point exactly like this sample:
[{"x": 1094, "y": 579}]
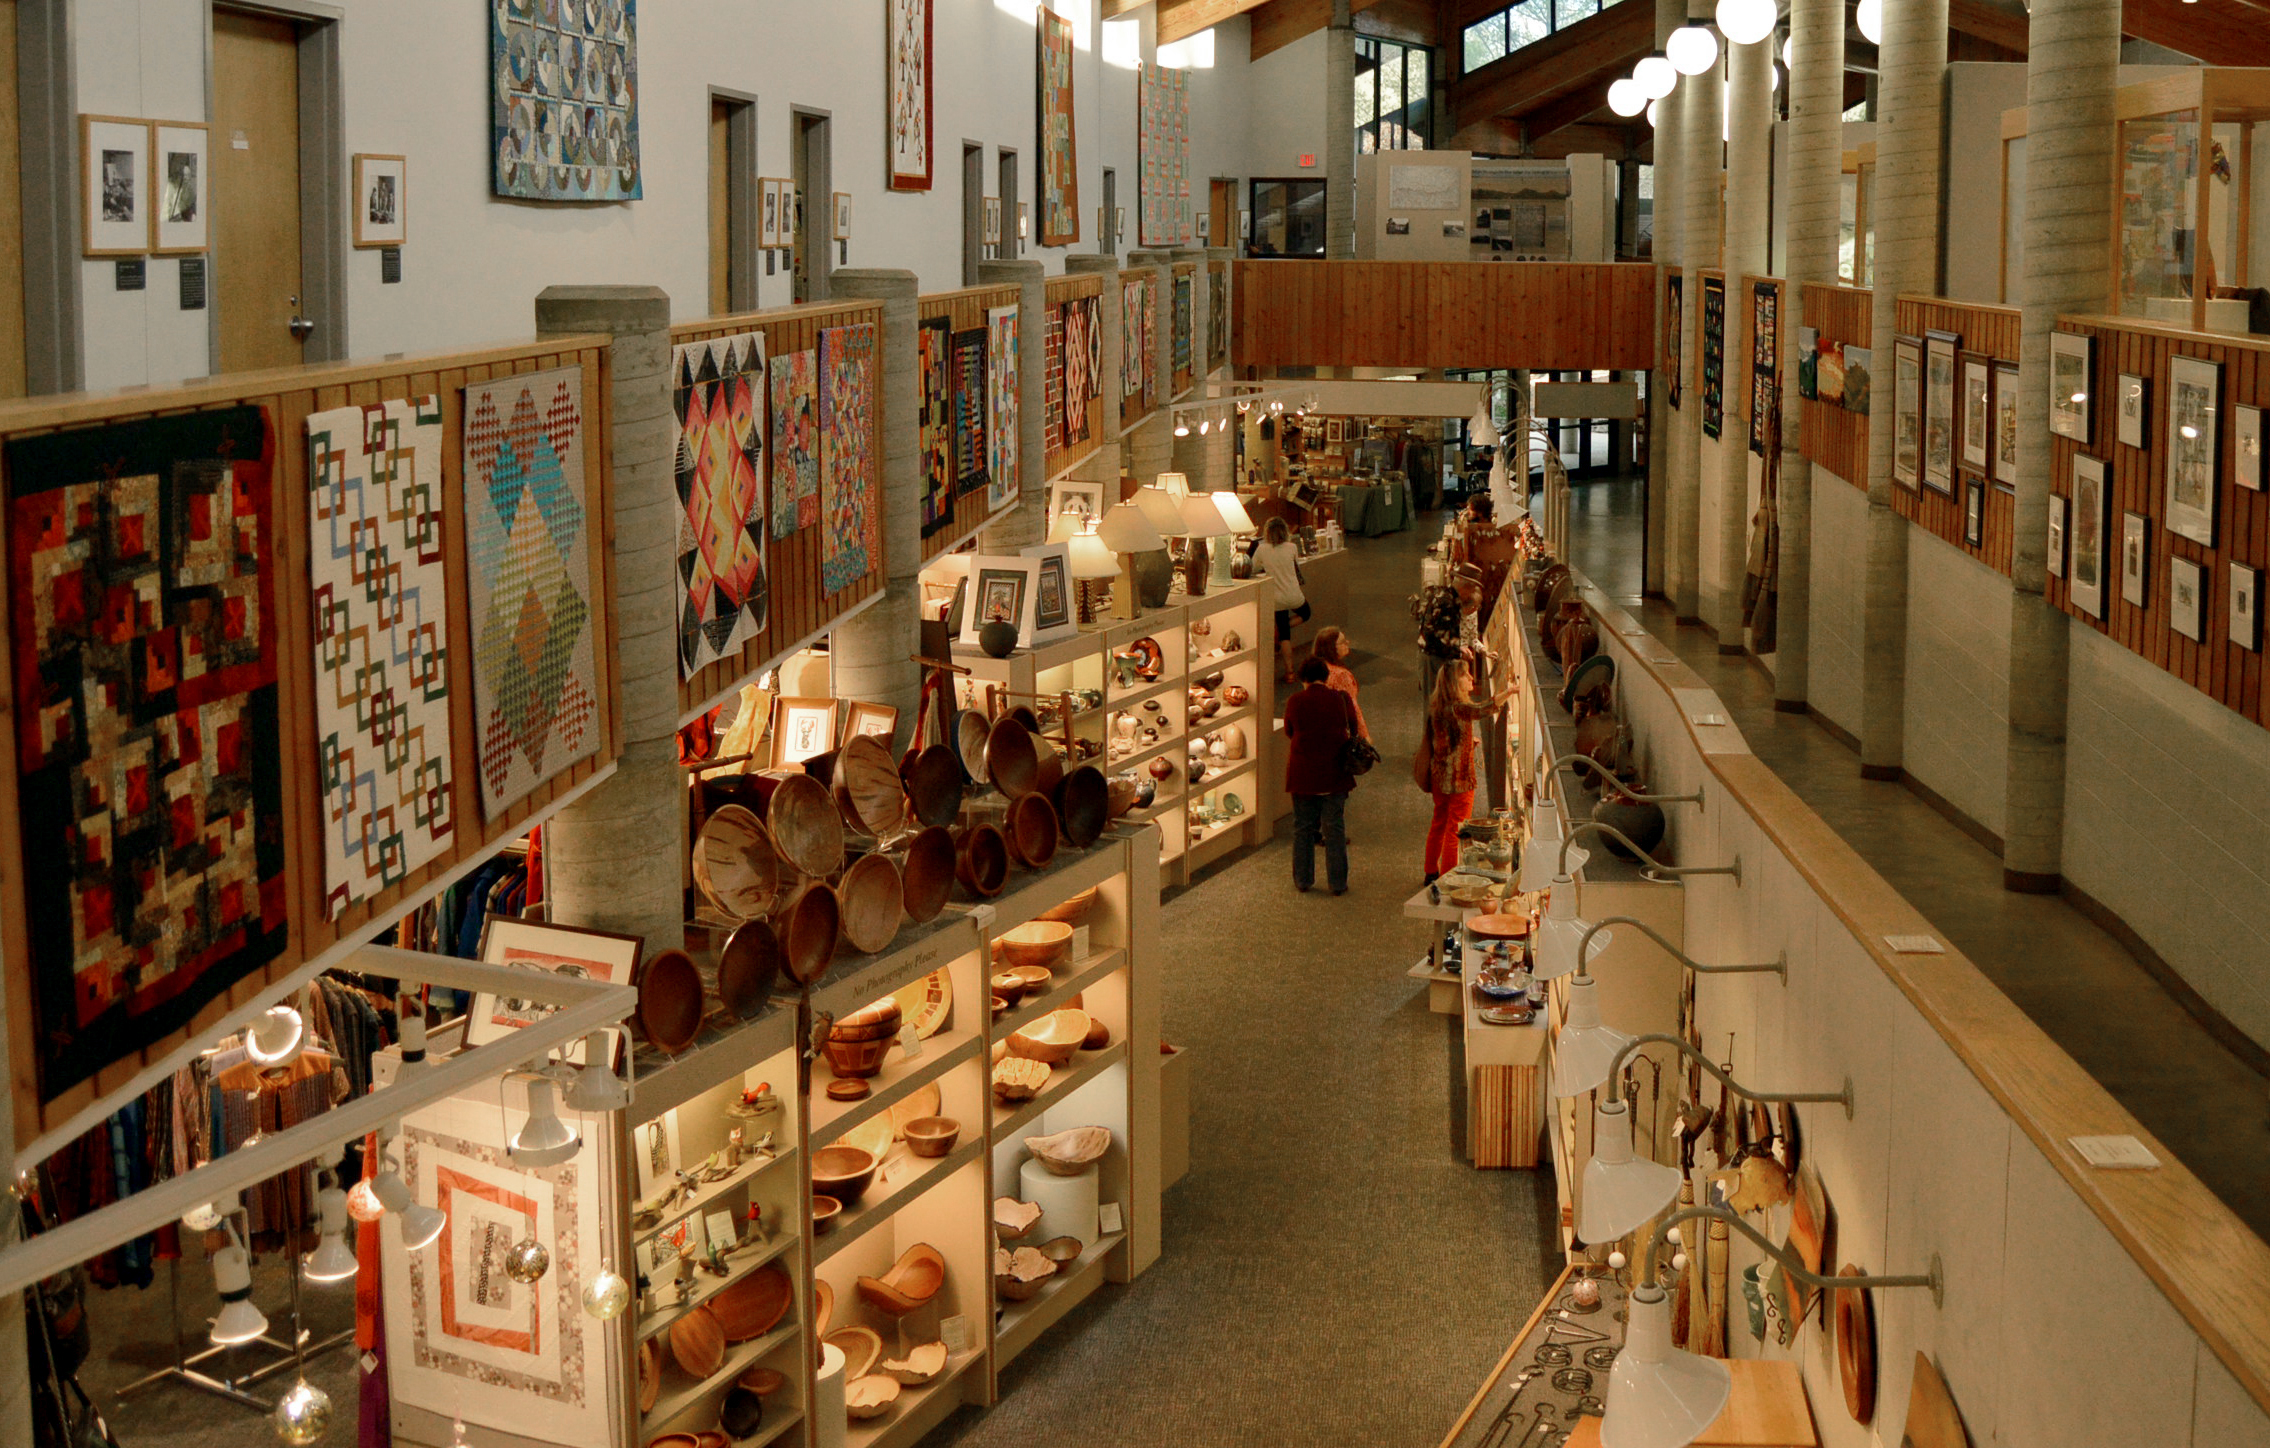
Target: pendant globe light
[
  {"x": 1692, "y": 49},
  {"x": 1625, "y": 97},
  {"x": 1869, "y": 16},
  {"x": 1656, "y": 76},
  {"x": 1746, "y": 22}
]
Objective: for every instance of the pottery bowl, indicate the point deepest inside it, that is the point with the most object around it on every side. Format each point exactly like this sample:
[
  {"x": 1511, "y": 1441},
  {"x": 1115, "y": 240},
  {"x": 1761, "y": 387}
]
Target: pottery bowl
[
  {"x": 932, "y": 1136},
  {"x": 806, "y": 826},
  {"x": 1046, "y": 944},
  {"x": 982, "y": 860},
  {"x": 1032, "y": 830},
  {"x": 926, "y": 874},
  {"x": 1053, "y": 1039},
  {"x": 842, "y": 1172},
  {"x": 873, "y": 902},
  {"x": 825, "y": 1210}
]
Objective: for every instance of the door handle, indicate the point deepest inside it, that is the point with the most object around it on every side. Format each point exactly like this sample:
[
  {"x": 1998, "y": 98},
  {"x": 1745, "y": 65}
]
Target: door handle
[{"x": 302, "y": 327}]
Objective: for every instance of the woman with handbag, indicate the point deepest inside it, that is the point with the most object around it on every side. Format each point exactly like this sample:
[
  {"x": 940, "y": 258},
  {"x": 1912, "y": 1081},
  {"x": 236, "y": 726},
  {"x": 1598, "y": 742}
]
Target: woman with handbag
[
  {"x": 1333, "y": 647},
  {"x": 1320, "y": 726},
  {"x": 1444, "y": 765}
]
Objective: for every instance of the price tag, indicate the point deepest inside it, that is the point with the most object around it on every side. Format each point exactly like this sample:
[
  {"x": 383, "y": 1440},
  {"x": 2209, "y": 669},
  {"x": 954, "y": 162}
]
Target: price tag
[
  {"x": 722, "y": 1235},
  {"x": 955, "y": 1334},
  {"x": 910, "y": 1041},
  {"x": 2115, "y": 1153},
  {"x": 1109, "y": 1217},
  {"x": 1915, "y": 945}
]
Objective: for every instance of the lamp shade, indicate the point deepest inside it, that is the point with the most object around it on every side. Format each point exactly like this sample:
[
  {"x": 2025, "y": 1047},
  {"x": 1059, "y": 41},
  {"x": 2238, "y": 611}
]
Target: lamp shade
[
  {"x": 1625, "y": 97},
  {"x": 1201, "y": 518},
  {"x": 1175, "y": 485},
  {"x": 1161, "y": 509},
  {"x": 543, "y": 1139},
  {"x": 1126, "y": 528},
  {"x": 1233, "y": 511},
  {"x": 420, "y": 1224},
  {"x": 275, "y": 1037},
  {"x": 238, "y": 1320},
  {"x": 1620, "y": 1191},
  {"x": 1660, "y": 1396},
  {"x": 1563, "y": 928},
  {"x": 1091, "y": 557},
  {"x": 1584, "y": 1049},
  {"x": 332, "y": 1260},
  {"x": 1692, "y": 49},
  {"x": 596, "y": 1087}
]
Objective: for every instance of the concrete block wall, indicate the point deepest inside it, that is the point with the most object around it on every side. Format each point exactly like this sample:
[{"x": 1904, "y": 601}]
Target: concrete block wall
[
  {"x": 1840, "y": 542},
  {"x": 1958, "y": 687}
]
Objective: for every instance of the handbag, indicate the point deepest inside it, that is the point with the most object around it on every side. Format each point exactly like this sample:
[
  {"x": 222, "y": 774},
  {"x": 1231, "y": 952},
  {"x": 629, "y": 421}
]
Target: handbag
[{"x": 1357, "y": 756}]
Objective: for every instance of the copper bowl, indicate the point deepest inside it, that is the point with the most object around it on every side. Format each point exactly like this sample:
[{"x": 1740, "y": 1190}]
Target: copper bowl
[
  {"x": 872, "y": 902},
  {"x": 808, "y": 928},
  {"x": 1083, "y": 805},
  {"x": 842, "y": 1172},
  {"x": 737, "y": 868},
  {"x": 926, "y": 872},
  {"x": 1011, "y": 760},
  {"x": 806, "y": 826},
  {"x": 1032, "y": 830},
  {"x": 670, "y": 1000},
  {"x": 934, "y": 783},
  {"x": 981, "y": 860},
  {"x": 748, "y": 968},
  {"x": 868, "y": 791}
]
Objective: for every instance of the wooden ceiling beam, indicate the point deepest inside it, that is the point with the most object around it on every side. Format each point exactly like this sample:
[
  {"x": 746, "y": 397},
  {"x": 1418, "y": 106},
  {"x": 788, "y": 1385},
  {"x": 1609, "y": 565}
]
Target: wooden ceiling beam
[
  {"x": 1604, "y": 45},
  {"x": 1281, "y": 22},
  {"x": 1181, "y": 19},
  {"x": 1989, "y": 22},
  {"x": 2217, "y": 32},
  {"x": 1586, "y": 100}
]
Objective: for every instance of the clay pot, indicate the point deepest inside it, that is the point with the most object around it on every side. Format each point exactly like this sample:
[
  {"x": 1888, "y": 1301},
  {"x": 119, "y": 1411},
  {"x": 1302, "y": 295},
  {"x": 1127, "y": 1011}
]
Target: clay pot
[
  {"x": 926, "y": 873},
  {"x": 808, "y": 928},
  {"x": 1083, "y": 806},
  {"x": 1211, "y": 681},
  {"x": 998, "y": 638},
  {"x": 1032, "y": 830},
  {"x": 981, "y": 860},
  {"x": 1162, "y": 769},
  {"x": 873, "y": 902},
  {"x": 1237, "y": 696}
]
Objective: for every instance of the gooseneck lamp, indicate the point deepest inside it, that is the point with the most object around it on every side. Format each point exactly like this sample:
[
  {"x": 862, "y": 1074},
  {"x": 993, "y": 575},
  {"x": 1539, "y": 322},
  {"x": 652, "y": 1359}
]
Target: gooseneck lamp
[
  {"x": 1563, "y": 927},
  {"x": 1584, "y": 1049}
]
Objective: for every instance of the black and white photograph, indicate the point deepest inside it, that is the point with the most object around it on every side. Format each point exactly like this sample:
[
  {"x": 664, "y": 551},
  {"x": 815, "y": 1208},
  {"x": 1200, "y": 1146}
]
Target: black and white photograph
[
  {"x": 2071, "y": 360},
  {"x": 116, "y": 182},
  {"x": 382, "y": 215},
  {"x": 2187, "y": 600},
  {"x": 2087, "y": 532},
  {"x": 120, "y": 177},
  {"x": 2193, "y": 384},
  {"x": 2059, "y": 507},
  {"x": 2135, "y": 558},
  {"x": 2131, "y": 399},
  {"x": 182, "y": 221},
  {"x": 1978, "y": 422},
  {"x": 2246, "y": 446},
  {"x": 1939, "y": 410},
  {"x": 1974, "y": 511},
  {"x": 2246, "y": 607}
]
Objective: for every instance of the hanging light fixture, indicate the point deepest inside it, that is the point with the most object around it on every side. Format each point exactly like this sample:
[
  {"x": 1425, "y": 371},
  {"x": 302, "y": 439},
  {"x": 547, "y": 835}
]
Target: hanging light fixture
[
  {"x": 1181, "y": 425},
  {"x": 1625, "y": 97},
  {"x": 1692, "y": 49},
  {"x": 596, "y": 1088},
  {"x": 1869, "y": 16},
  {"x": 303, "y": 1415},
  {"x": 412, "y": 1013},
  {"x": 332, "y": 1260},
  {"x": 419, "y": 1224},
  {"x": 1621, "y": 1191},
  {"x": 1656, "y": 76},
  {"x": 1563, "y": 928},
  {"x": 1651, "y": 115},
  {"x": 275, "y": 1037},
  {"x": 543, "y": 1139},
  {"x": 1746, "y": 22},
  {"x": 1583, "y": 1048},
  {"x": 238, "y": 1320}
]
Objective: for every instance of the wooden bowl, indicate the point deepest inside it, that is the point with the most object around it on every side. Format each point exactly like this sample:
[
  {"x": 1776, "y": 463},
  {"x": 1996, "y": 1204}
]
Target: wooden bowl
[
  {"x": 878, "y": 1020},
  {"x": 806, "y": 826},
  {"x": 1033, "y": 979},
  {"x": 982, "y": 861},
  {"x": 1017, "y": 1079},
  {"x": 649, "y": 1373},
  {"x": 862, "y": 1348},
  {"x": 1009, "y": 988},
  {"x": 1032, "y": 830},
  {"x": 697, "y": 1343},
  {"x": 872, "y": 902},
  {"x": 825, "y": 1210},
  {"x": 762, "y": 1381},
  {"x": 1011, "y": 760},
  {"x": 1124, "y": 793},
  {"x": 843, "y": 1172},
  {"x": 922, "y": 1365},
  {"x": 1083, "y": 805},
  {"x": 912, "y": 1281},
  {"x": 736, "y": 866},
  {"x": 869, "y": 1396},
  {"x": 670, "y": 1000},
  {"x": 1053, "y": 1039},
  {"x": 1043, "y": 944},
  {"x": 749, "y": 967},
  {"x": 1050, "y": 773},
  {"x": 740, "y": 1415},
  {"x": 1069, "y": 1153},
  {"x": 808, "y": 928},
  {"x": 1019, "y": 1274},
  {"x": 1013, "y": 1219},
  {"x": 932, "y": 1136},
  {"x": 868, "y": 791},
  {"x": 1061, "y": 1250},
  {"x": 823, "y": 1309},
  {"x": 971, "y": 731},
  {"x": 751, "y": 1307},
  {"x": 934, "y": 782},
  {"x": 926, "y": 873}
]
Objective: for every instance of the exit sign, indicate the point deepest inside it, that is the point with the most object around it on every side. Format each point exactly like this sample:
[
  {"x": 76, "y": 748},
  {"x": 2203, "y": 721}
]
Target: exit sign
[{"x": 1308, "y": 159}]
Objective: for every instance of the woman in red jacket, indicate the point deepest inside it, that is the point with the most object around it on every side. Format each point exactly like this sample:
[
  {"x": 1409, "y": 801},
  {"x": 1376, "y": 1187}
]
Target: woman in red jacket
[{"x": 1319, "y": 721}]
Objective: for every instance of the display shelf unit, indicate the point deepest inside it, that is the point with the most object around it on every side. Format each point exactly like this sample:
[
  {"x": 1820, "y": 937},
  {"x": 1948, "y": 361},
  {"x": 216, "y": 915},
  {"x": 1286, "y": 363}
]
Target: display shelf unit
[
  {"x": 1022, "y": 1323},
  {"x": 1062, "y": 1082},
  {"x": 900, "y": 1079},
  {"x": 678, "y": 1396},
  {"x": 1093, "y": 968},
  {"x": 882, "y": 1200},
  {"x": 660, "y": 1320},
  {"x": 713, "y": 1193},
  {"x": 918, "y": 1410}
]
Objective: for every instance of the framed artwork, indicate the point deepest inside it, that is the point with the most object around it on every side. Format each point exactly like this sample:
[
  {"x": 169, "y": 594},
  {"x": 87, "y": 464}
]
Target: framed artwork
[
  {"x": 1059, "y": 155},
  {"x": 2246, "y": 446},
  {"x": 1809, "y": 362},
  {"x": 1162, "y": 137},
  {"x": 1939, "y": 410},
  {"x": 862, "y": 719},
  {"x": 1974, "y": 511},
  {"x": 1978, "y": 416},
  {"x": 934, "y": 436},
  {"x": 2086, "y": 582},
  {"x": 768, "y": 213},
  {"x": 1714, "y": 356},
  {"x": 2193, "y": 416},
  {"x": 842, "y": 228},
  {"x": 1074, "y": 506},
  {"x": 557, "y": 950},
  {"x": 1765, "y": 364},
  {"x": 966, "y": 379},
  {"x": 2128, "y": 408},
  {"x": 850, "y": 480},
  {"x": 1858, "y": 365},
  {"x": 801, "y": 728},
  {"x": 2246, "y": 607},
  {"x": 2135, "y": 558},
  {"x": 1907, "y": 411},
  {"x": 992, "y": 215},
  {"x": 564, "y": 112},
  {"x": 658, "y": 1154},
  {"x": 908, "y": 77},
  {"x": 2071, "y": 359},
  {"x": 794, "y": 379},
  {"x": 1002, "y": 589},
  {"x": 1828, "y": 373},
  {"x": 114, "y": 186},
  {"x": 2187, "y": 599},
  {"x": 1002, "y": 400},
  {"x": 1674, "y": 342},
  {"x": 180, "y": 219},
  {"x": 1053, "y": 614},
  {"x": 1024, "y": 224},
  {"x": 380, "y": 193},
  {"x": 2059, "y": 509},
  {"x": 720, "y": 405},
  {"x": 2005, "y": 447}
]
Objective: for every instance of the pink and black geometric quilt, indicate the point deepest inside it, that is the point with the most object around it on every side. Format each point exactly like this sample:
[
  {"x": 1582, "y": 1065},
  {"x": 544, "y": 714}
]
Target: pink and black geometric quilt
[{"x": 722, "y": 407}]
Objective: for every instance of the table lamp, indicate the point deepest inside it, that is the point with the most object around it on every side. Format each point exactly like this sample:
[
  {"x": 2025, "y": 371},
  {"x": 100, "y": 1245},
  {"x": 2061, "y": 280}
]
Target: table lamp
[
  {"x": 1091, "y": 563},
  {"x": 1201, "y": 520},
  {"x": 1240, "y": 523},
  {"x": 1128, "y": 532}
]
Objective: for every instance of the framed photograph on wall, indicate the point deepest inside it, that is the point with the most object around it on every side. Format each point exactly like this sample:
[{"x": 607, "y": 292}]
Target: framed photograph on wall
[
  {"x": 992, "y": 214},
  {"x": 2246, "y": 446},
  {"x": 1907, "y": 410},
  {"x": 2059, "y": 508},
  {"x": 2128, "y": 408},
  {"x": 558, "y": 950},
  {"x": 1978, "y": 414},
  {"x": 2246, "y": 607},
  {"x": 801, "y": 728},
  {"x": 2087, "y": 532},
  {"x": 114, "y": 186},
  {"x": 1053, "y": 614},
  {"x": 768, "y": 213},
  {"x": 1074, "y": 504},
  {"x": 2005, "y": 445},
  {"x": 842, "y": 227},
  {"x": 862, "y": 719},
  {"x": 380, "y": 183},
  {"x": 1859, "y": 379},
  {"x": 1939, "y": 410},
  {"x": 181, "y": 175},
  {"x": 1974, "y": 511},
  {"x": 2071, "y": 361},
  {"x": 2187, "y": 599},
  {"x": 2135, "y": 558},
  {"x": 1001, "y": 588},
  {"x": 2193, "y": 415}
]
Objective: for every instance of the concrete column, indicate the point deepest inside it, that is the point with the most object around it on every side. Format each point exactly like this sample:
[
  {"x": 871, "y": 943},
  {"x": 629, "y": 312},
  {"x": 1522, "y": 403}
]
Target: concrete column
[
  {"x": 1151, "y": 443},
  {"x": 1103, "y": 465},
  {"x": 1816, "y": 163},
  {"x": 1749, "y": 189},
  {"x": 1700, "y": 164},
  {"x": 612, "y": 856},
  {"x": 1627, "y": 209},
  {"x": 2072, "y": 68},
  {"x": 1221, "y": 446},
  {"x": 1340, "y": 134},
  {"x": 1911, "y": 88},
  {"x": 1026, "y": 523},
  {"x": 1663, "y": 421},
  {"x": 871, "y": 656}
]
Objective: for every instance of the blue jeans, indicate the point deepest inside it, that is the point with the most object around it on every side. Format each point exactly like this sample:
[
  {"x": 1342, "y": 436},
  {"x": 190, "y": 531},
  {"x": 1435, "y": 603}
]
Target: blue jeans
[{"x": 1325, "y": 815}]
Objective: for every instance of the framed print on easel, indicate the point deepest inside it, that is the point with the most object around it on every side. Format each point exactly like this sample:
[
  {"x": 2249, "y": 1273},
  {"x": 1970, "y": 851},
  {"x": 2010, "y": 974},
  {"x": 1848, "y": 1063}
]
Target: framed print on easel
[
  {"x": 114, "y": 186},
  {"x": 1053, "y": 615},
  {"x": 862, "y": 719},
  {"x": 380, "y": 186},
  {"x": 181, "y": 195},
  {"x": 801, "y": 728}
]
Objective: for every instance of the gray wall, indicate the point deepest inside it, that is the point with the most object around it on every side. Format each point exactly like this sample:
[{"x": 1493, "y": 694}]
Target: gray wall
[
  {"x": 1840, "y": 541},
  {"x": 1958, "y": 687}
]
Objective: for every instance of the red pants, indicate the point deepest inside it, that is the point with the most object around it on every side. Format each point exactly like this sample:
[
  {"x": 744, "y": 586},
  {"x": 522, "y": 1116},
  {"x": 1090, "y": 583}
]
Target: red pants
[{"x": 1451, "y": 811}]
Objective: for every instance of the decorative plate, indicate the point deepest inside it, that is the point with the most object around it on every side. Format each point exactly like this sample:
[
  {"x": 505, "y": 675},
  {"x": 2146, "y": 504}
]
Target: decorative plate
[{"x": 928, "y": 1003}]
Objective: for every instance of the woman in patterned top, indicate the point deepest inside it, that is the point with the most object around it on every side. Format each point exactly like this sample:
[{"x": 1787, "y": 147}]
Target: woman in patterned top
[
  {"x": 1451, "y": 712},
  {"x": 1332, "y": 648}
]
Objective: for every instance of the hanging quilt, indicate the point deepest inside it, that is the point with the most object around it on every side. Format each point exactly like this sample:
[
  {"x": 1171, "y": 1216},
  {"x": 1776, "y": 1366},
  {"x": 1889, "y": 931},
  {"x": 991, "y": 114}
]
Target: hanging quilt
[
  {"x": 933, "y": 340},
  {"x": 1162, "y": 137},
  {"x": 1714, "y": 356},
  {"x": 795, "y": 442},
  {"x": 149, "y": 788},
  {"x": 719, "y": 394},
  {"x": 1765, "y": 362},
  {"x": 849, "y": 540},
  {"x": 1217, "y": 320},
  {"x": 1079, "y": 325},
  {"x": 1185, "y": 330},
  {"x": 1001, "y": 427},
  {"x": 1053, "y": 404},
  {"x": 564, "y": 104},
  {"x": 969, "y": 383},
  {"x": 1059, "y": 157},
  {"x": 381, "y": 617},
  {"x": 1134, "y": 332},
  {"x": 907, "y": 56},
  {"x": 535, "y": 687}
]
